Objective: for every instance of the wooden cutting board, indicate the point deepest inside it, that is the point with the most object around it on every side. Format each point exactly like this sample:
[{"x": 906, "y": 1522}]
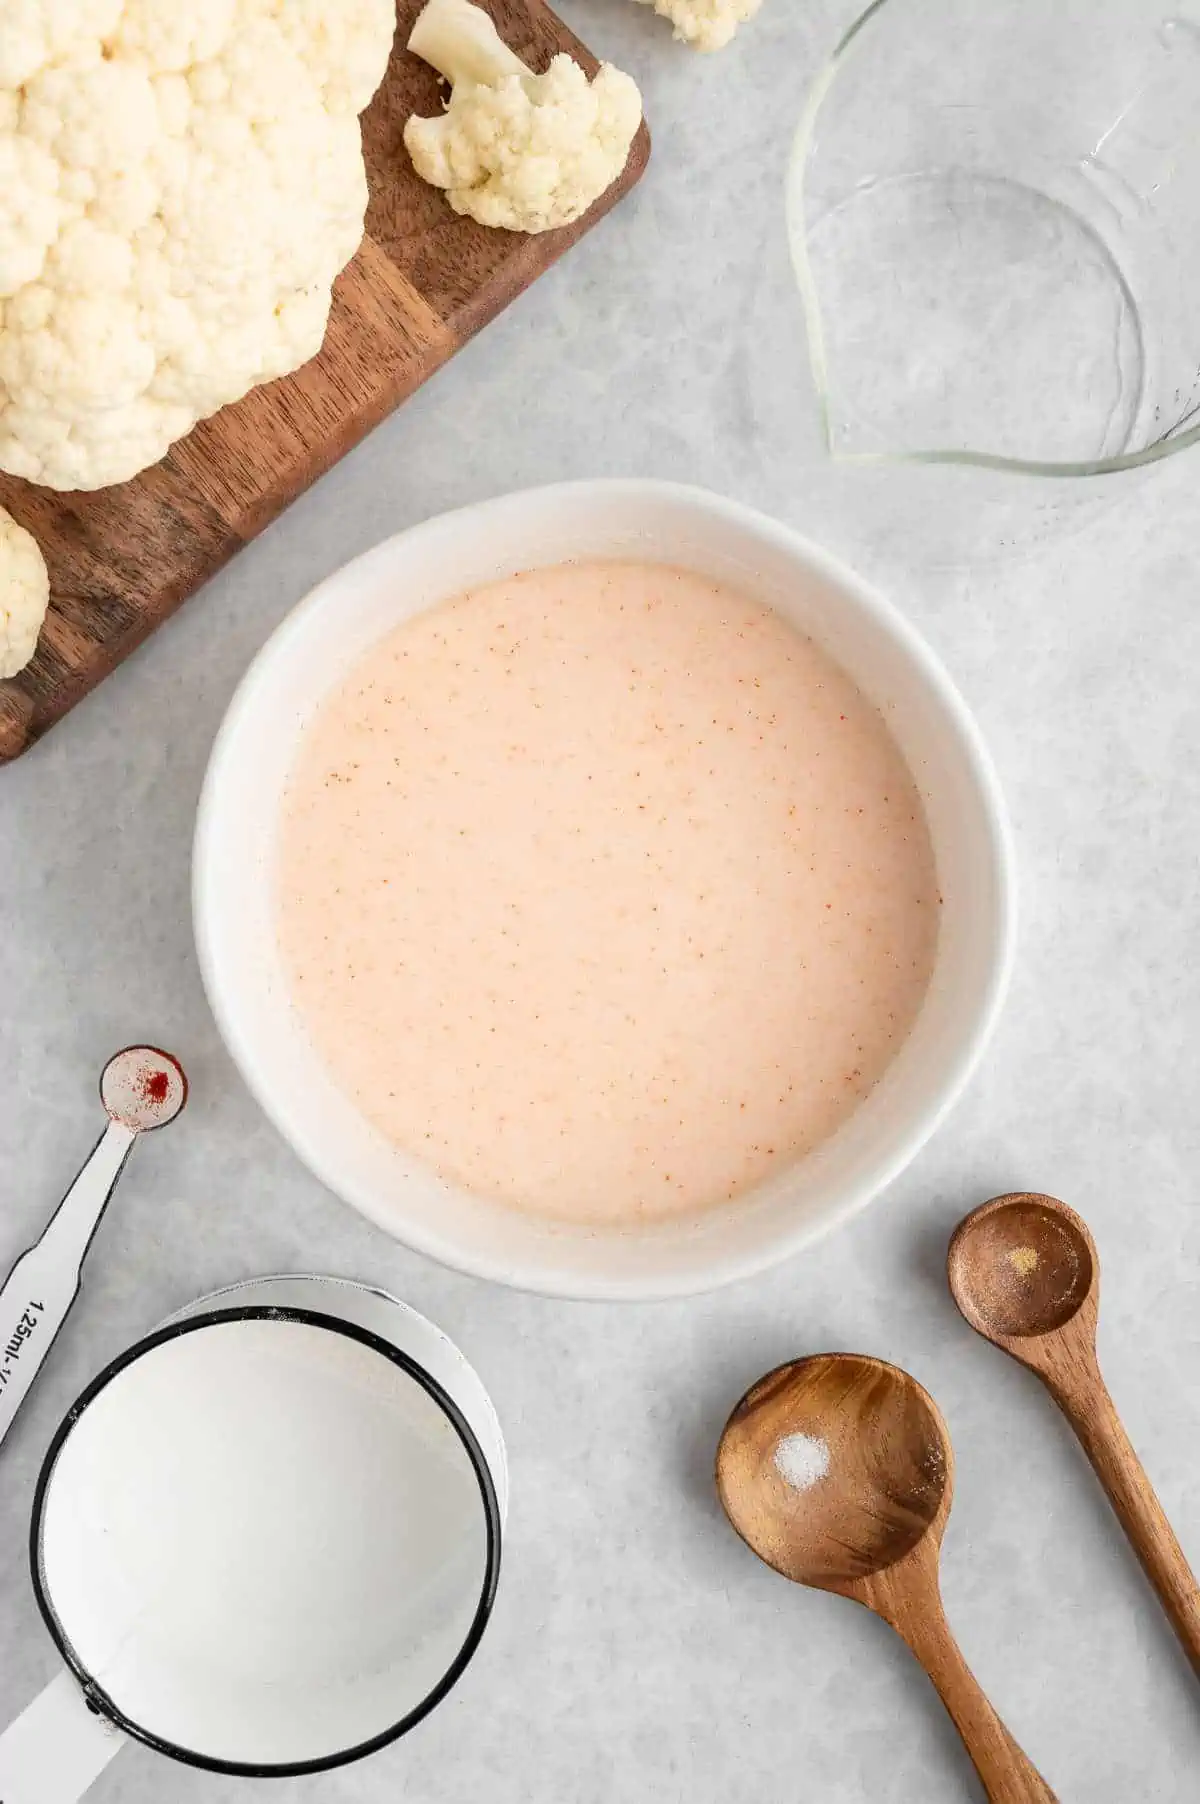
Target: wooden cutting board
[{"x": 423, "y": 282}]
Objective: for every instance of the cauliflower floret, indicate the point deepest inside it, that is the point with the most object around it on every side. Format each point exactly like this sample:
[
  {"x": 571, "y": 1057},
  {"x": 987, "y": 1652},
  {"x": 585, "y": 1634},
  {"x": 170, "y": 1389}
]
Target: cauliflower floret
[
  {"x": 36, "y": 32},
  {"x": 517, "y": 150},
  {"x": 30, "y": 210},
  {"x": 346, "y": 46},
  {"x": 24, "y": 595},
  {"x": 705, "y": 24},
  {"x": 180, "y": 183}
]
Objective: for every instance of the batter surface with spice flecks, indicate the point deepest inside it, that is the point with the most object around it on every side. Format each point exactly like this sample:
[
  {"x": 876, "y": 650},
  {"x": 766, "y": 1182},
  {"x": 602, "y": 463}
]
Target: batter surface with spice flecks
[{"x": 604, "y": 892}]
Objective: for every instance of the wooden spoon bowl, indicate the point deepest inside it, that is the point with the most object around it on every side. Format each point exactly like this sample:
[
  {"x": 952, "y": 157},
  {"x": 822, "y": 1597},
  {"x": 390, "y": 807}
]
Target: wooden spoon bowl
[
  {"x": 861, "y": 1512},
  {"x": 890, "y": 1478},
  {"x": 1022, "y": 1265}
]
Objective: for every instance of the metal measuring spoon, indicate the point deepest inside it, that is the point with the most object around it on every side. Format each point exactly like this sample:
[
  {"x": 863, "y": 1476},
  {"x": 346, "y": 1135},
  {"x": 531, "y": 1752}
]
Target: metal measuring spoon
[
  {"x": 1025, "y": 1274},
  {"x": 141, "y": 1089},
  {"x": 838, "y": 1472}
]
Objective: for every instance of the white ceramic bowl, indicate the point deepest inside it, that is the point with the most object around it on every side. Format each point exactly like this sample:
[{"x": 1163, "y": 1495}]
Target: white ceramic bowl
[{"x": 235, "y": 862}]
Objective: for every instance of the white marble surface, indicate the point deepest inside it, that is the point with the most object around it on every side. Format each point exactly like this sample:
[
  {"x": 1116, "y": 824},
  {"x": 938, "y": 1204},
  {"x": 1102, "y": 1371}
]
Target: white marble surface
[{"x": 638, "y": 1652}]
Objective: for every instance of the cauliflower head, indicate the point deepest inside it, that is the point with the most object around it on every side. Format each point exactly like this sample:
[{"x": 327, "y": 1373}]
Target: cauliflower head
[
  {"x": 24, "y": 595},
  {"x": 513, "y": 149},
  {"x": 180, "y": 183},
  {"x": 705, "y": 24}
]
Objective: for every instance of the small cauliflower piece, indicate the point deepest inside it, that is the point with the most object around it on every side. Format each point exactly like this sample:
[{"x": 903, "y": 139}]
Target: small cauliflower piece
[
  {"x": 705, "y": 24},
  {"x": 513, "y": 149},
  {"x": 24, "y": 595}
]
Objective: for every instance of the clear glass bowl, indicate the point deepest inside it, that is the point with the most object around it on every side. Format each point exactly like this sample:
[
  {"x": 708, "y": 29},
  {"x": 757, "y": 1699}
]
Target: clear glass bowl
[{"x": 994, "y": 218}]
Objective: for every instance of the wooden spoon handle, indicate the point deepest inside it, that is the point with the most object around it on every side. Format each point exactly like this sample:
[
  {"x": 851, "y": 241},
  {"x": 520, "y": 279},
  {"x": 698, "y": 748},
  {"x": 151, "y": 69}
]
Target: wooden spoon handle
[
  {"x": 1083, "y": 1396},
  {"x": 1007, "y": 1774}
]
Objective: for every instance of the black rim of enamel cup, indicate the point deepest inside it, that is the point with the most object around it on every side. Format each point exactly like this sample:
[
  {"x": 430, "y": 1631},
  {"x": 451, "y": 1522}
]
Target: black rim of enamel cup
[{"x": 94, "y": 1693}]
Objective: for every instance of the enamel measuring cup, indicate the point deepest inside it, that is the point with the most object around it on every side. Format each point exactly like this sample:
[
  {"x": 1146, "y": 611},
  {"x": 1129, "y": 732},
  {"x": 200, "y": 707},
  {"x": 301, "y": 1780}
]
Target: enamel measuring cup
[{"x": 265, "y": 1540}]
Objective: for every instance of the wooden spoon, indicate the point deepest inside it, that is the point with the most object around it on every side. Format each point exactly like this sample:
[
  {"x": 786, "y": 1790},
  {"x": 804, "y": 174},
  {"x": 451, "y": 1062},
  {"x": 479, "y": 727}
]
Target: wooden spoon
[
  {"x": 1026, "y": 1275},
  {"x": 862, "y": 1514}
]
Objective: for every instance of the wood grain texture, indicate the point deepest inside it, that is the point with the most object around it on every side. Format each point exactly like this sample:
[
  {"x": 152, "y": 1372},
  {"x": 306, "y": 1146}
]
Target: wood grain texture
[
  {"x": 871, "y": 1528},
  {"x": 423, "y": 282},
  {"x": 1025, "y": 1273}
]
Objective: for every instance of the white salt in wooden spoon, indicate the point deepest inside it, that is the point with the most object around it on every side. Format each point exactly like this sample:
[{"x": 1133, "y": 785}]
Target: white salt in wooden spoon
[{"x": 838, "y": 1472}]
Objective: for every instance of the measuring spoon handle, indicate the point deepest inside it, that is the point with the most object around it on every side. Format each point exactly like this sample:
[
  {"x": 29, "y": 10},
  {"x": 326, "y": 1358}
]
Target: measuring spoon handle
[
  {"x": 43, "y": 1284},
  {"x": 1007, "y": 1774},
  {"x": 56, "y": 1749},
  {"x": 1081, "y": 1393}
]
